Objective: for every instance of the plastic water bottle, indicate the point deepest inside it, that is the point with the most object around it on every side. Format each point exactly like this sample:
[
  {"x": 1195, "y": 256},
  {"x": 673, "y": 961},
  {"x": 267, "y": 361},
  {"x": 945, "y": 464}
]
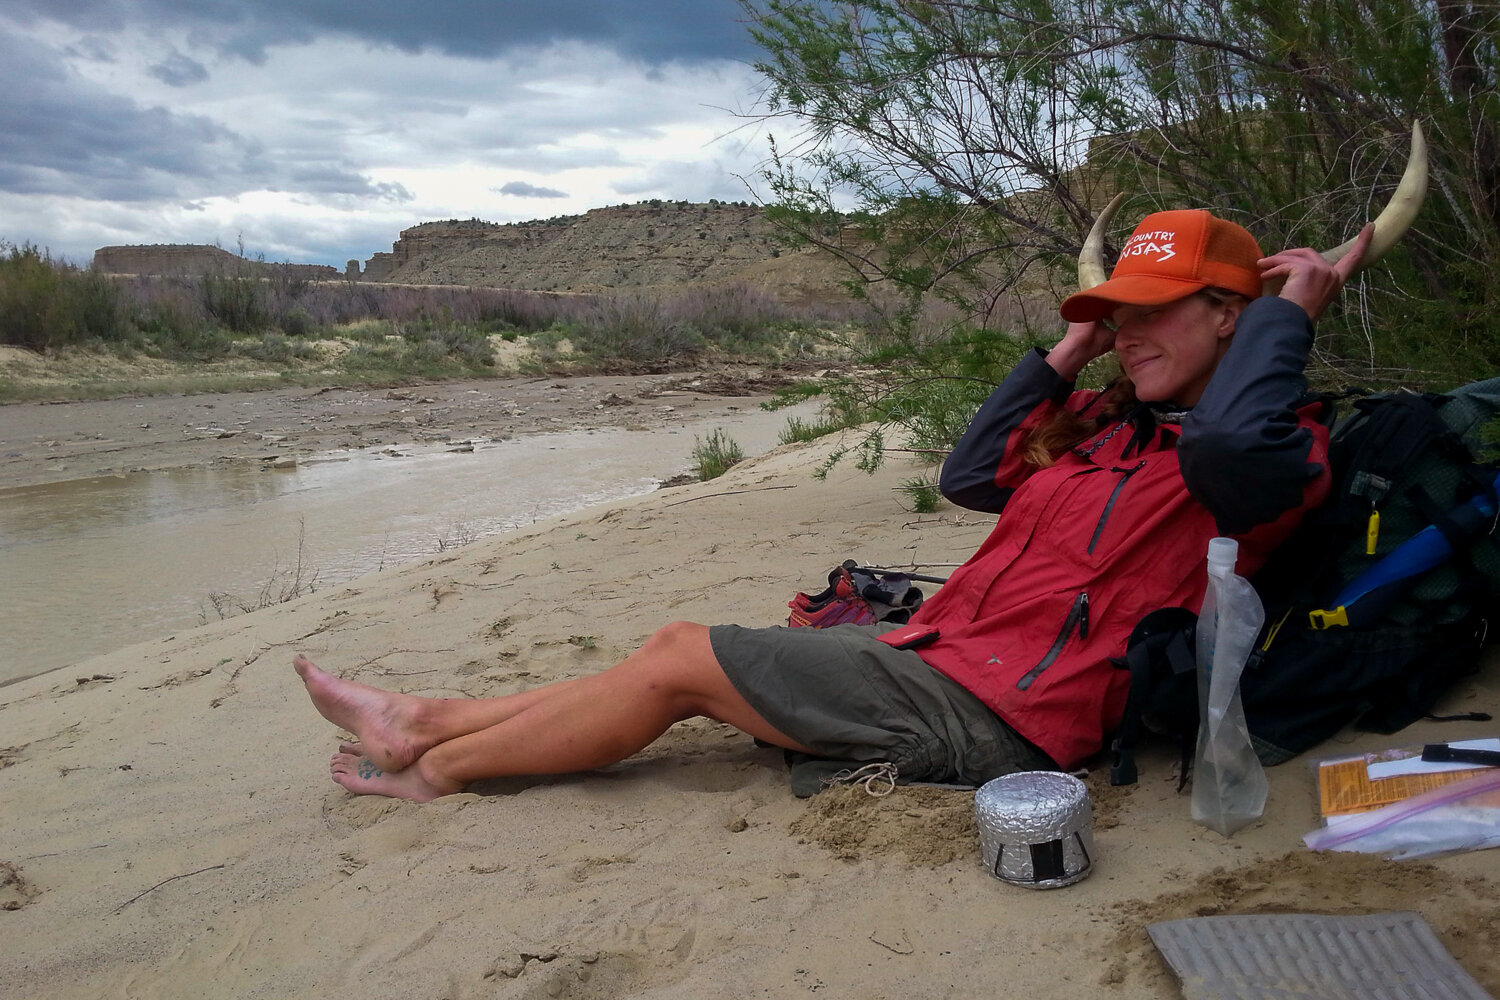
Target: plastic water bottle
[{"x": 1229, "y": 784}]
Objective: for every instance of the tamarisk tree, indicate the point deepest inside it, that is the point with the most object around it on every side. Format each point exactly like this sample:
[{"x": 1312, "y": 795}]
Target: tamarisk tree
[{"x": 961, "y": 148}]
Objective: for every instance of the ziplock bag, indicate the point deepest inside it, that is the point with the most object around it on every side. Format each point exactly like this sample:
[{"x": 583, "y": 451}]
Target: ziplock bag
[{"x": 1463, "y": 816}]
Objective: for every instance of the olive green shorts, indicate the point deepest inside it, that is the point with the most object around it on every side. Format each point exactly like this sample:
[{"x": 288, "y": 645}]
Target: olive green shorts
[{"x": 845, "y": 695}]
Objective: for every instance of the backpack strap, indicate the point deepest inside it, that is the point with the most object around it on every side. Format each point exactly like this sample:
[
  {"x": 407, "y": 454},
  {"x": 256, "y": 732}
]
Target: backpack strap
[
  {"x": 1159, "y": 651},
  {"x": 1369, "y": 449},
  {"x": 1385, "y": 436}
]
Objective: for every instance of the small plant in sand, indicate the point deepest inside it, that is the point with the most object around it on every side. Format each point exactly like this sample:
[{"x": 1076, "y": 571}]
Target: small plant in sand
[
  {"x": 922, "y": 494},
  {"x": 458, "y": 536},
  {"x": 714, "y": 457},
  {"x": 798, "y": 430},
  {"x": 286, "y": 583}
]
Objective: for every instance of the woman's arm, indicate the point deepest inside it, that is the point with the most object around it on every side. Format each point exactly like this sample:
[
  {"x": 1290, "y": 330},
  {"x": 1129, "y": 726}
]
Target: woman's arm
[
  {"x": 988, "y": 462},
  {"x": 1245, "y": 455}
]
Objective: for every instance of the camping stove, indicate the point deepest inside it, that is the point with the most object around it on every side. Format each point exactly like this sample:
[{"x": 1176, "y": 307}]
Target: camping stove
[{"x": 1035, "y": 829}]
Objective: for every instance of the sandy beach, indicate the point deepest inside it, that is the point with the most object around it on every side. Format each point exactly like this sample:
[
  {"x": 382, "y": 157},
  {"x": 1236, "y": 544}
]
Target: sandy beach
[{"x": 171, "y": 830}]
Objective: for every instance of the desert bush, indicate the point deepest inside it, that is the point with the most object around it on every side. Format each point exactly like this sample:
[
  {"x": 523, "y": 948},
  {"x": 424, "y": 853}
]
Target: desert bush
[
  {"x": 276, "y": 348},
  {"x": 237, "y": 302},
  {"x": 465, "y": 345},
  {"x": 201, "y": 343},
  {"x": 798, "y": 430},
  {"x": 927, "y": 386},
  {"x": 433, "y": 356},
  {"x": 164, "y": 308},
  {"x": 922, "y": 494},
  {"x": 296, "y": 322},
  {"x": 46, "y": 304},
  {"x": 714, "y": 457},
  {"x": 632, "y": 326},
  {"x": 433, "y": 342},
  {"x": 735, "y": 316},
  {"x": 655, "y": 327}
]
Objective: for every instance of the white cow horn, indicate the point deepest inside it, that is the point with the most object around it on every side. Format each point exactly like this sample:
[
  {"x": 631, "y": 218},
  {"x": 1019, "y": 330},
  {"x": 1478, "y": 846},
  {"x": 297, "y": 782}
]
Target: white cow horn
[
  {"x": 1091, "y": 257},
  {"x": 1391, "y": 224}
]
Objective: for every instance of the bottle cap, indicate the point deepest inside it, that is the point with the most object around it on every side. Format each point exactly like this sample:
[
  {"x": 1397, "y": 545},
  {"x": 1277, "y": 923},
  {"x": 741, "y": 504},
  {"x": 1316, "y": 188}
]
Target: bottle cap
[{"x": 1222, "y": 553}]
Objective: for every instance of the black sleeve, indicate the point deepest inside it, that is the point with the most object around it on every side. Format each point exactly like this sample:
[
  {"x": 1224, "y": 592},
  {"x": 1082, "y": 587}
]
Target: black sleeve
[
  {"x": 971, "y": 468},
  {"x": 1243, "y": 453}
]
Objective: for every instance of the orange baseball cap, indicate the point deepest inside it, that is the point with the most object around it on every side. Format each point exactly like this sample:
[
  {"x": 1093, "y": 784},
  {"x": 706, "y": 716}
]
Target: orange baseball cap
[{"x": 1171, "y": 255}]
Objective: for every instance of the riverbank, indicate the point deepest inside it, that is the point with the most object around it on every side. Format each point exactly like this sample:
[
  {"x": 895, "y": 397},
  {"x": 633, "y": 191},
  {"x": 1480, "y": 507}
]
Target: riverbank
[
  {"x": 171, "y": 829},
  {"x": 54, "y": 442}
]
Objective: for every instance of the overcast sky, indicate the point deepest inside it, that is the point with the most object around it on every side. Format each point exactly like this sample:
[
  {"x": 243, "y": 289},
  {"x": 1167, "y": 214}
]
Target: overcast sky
[{"x": 315, "y": 131}]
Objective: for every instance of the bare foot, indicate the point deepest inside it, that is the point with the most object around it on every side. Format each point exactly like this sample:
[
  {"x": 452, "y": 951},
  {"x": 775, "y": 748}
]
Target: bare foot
[
  {"x": 362, "y": 776},
  {"x": 381, "y": 719}
]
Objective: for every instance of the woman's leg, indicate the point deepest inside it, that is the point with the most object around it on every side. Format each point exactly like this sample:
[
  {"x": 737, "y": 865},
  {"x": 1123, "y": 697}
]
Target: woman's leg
[
  {"x": 572, "y": 726},
  {"x": 395, "y": 729}
]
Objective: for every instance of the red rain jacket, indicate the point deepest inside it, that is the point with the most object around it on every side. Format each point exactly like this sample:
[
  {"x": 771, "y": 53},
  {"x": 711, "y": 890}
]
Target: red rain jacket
[{"x": 1116, "y": 528}]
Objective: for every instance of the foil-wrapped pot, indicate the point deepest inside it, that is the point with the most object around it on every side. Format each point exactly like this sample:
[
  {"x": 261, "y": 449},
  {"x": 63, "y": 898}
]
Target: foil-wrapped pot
[{"x": 1036, "y": 828}]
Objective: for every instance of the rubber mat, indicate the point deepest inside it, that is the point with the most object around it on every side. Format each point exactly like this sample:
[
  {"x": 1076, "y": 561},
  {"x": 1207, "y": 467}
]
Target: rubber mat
[{"x": 1305, "y": 956}]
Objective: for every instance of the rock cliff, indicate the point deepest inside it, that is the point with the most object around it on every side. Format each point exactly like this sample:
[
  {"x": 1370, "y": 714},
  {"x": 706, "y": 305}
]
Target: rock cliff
[
  {"x": 651, "y": 244},
  {"x": 661, "y": 243},
  {"x": 648, "y": 244},
  {"x": 187, "y": 258}
]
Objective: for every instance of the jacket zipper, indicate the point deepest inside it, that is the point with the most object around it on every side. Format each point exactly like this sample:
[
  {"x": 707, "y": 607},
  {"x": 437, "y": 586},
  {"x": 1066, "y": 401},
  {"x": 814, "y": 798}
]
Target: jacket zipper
[
  {"x": 1114, "y": 495},
  {"x": 1078, "y": 617}
]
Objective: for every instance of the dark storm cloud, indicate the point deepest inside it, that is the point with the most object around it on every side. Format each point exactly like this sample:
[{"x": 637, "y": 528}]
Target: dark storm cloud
[
  {"x": 656, "y": 31},
  {"x": 521, "y": 189},
  {"x": 178, "y": 70},
  {"x": 64, "y": 137},
  {"x": 324, "y": 179},
  {"x": 68, "y": 136},
  {"x": 137, "y": 120},
  {"x": 92, "y": 48}
]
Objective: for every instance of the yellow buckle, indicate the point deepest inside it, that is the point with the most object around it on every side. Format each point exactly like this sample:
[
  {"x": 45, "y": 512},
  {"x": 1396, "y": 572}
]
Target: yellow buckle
[{"x": 1321, "y": 620}]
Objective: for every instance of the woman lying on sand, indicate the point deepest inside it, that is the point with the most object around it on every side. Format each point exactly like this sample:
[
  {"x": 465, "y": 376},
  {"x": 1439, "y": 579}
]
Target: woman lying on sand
[{"x": 1107, "y": 501}]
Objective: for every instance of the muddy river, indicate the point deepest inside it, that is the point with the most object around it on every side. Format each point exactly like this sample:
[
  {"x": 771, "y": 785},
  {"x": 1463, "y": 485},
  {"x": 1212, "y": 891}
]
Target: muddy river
[{"x": 94, "y": 564}]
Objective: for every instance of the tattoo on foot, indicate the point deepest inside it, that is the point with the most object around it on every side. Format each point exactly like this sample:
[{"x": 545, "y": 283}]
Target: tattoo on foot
[{"x": 368, "y": 770}]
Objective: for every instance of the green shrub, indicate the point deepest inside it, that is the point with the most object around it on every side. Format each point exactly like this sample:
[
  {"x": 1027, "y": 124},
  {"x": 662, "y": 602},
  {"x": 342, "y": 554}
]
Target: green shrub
[
  {"x": 240, "y": 303},
  {"x": 632, "y": 327},
  {"x": 200, "y": 343},
  {"x": 467, "y": 346},
  {"x": 167, "y": 322},
  {"x": 923, "y": 495},
  {"x": 715, "y": 456},
  {"x": 275, "y": 347},
  {"x": 434, "y": 355},
  {"x": 797, "y": 429},
  {"x": 295, "y": 322},
  {"x": 45, "y": 304}
]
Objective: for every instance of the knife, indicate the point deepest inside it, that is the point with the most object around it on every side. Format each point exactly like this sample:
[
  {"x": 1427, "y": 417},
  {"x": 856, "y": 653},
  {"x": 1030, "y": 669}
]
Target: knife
[{"x": 1445, "y": 754}]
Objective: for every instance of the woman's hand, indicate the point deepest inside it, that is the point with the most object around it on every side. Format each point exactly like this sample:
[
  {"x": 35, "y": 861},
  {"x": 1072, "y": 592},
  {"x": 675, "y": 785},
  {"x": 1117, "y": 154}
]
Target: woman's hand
[
  {"x": 1310, "y": 281},
  {"x": 1081, "y": 344}
]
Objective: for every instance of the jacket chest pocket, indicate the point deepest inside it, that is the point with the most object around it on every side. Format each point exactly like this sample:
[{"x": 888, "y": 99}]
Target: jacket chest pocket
[
  {"x": 1101, "y": 506},
  {"x": 1122, "y": 476}
]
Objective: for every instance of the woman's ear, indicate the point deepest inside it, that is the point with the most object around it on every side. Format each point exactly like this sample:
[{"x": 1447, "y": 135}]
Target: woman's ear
[{"x": 1230, "y": 310}]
